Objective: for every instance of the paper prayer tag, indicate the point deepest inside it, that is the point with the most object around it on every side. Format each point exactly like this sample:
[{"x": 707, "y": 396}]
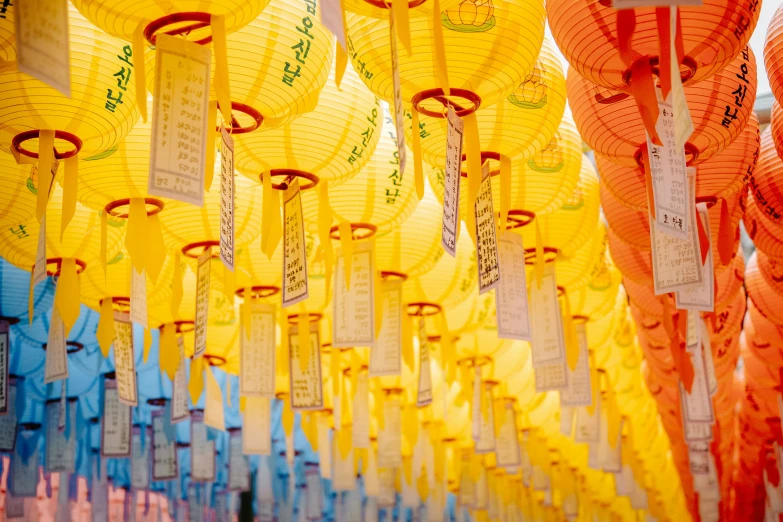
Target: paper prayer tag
[
  {"x": 202, "y": 303},
  {"x": 257, "y": 352},
  {"x": 179, "y": 389},
  {"x": 42, "y": 42},
  {"x": 295, "y": 288},
  {"x": 180, "y": 134},
  {"x": 701, "y": 296},
  {"x": 56, "y": 362},
  {"x": 138, "y": 305},
  {"x": 578, "y": 391},
  {"x": 451, "y": 187},
  {"x": 548, "y": 344},
  {"x": 164, "y": 449},
  {"x": 125, "y": 360},
  {"x": 386, "y": 354},
  {"x": 486, "y": 235},
  {"x": 354, "y": 307},
  {"x": 306, "y": 386},
  {"x": 116, "y": 423},
  {"x": 227, "y": 194},
  {"x": 202, "y": 450},
  {"x": 424, "y": 390},
  {"x": 511, "y": 293}
]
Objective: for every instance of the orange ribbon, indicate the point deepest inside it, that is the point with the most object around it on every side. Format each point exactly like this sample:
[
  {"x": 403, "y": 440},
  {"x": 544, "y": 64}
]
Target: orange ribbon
[{"x": 725, "y": 235}]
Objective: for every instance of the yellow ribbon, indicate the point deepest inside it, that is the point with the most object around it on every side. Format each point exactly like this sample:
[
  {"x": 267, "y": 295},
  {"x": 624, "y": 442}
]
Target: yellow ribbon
[
  {"x": 342, "y": 62},
  {"x": 346, "y": 242},
  {"x": 221, "y": 79},
  {"x": 140, "y": 69},
  {"x": 402, "y": 23},
  {"x": 70, "y": 186},
  {"x": 288, "y": 416},
  {"x": 45, "y": 161},
  {"x": 136, "y": 236},
  {"x": 378, "y": 298},
  {"x": 505, "y": 191},
  {"x": 147, "y": 344},
  {"x": 229, "y": 283},
  {"x": 418, "y": 167},
  {"x": 272, "y": 227},
  {"x": 104, "y": 240},
  {"x": 67, "y": 296},
  {"x": 473, "y": 157},
  {"x": 407, "y": 340},
  {"x": 209, "y": 158},
  {"x": 196, "y": 382},
  {"x": 303, "y": 320},
  {"x": 105, "y": 332},
  {"x": 539, "y": 266},
  {"x": 441, "y": 67},
  {"x": 324, "y": 226},
  {"x": 176, "y": 287},
  {"x": 168, "y": 358},
  {"x": 156, "y": 249}
]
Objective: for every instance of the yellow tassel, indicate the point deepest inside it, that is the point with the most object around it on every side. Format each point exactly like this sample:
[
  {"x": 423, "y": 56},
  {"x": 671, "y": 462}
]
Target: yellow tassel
[
  {"x": 140, "y": 69},
  {"x": 539, "y": 266},
  {"x": 288, "y": 416},
  {"x": 221, "y": 79},
  {"x": 70, "y": 186},
  {"x": 45, "y": 161},
  {"x": 473, "y": 157},
  {"x": 505, "y": 191},
  {"x": 156, "y": 249},
  {"x": 229, "y": 283},
  {"x": 342, "y": 62},
  {"x": 196, "y": 382},
  {"x": 407, "y": 340},
  {"x": 136, "y": 236},
  {"x": 378, "y": 298},
  {"x": 104, "y": 240},
  {"x": 346, "y": 242},
  {"x": 209, "y": 158},
  {"x": 244, "y": 310},
  {"x": 344, "y": 443},
  {"x": 334, "y": 364},
  {"x": 402, "y": 24},
  {"x": 67, "y": 296},
  {"x": 105, "y": 332},
  {"x": 168, "y": 355},
  {"x": 572, "y": 346},
  {"x": 324, "y": 226},
  {"x": 411, "y": 424},
  {"x": 441, "y": 68},
  {"x": 303, "y": 321},
  {"x": 176, "y": 287},
  {"x": 242, "y": 404},
  {"x": 418, "y": 167},
  {"x": 147, "y": 344},
  {"x": 271, "y": 226}
]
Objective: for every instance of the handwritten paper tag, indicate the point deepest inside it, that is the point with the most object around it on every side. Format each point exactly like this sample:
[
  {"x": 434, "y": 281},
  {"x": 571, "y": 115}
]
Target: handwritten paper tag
[
  {"x": 63, "y": 417},
  {"x": 548, "y": 345},
  {"x": 39, "y": 270},
  {"x": 697, "y": 405},
  {"x": 467, "y": 488},
  {"x": 138, "y": 297},
  {"x": 386, "y": 354},
  {"x": 424, "y": 390},
  {"x": 332, "y": 18},
  {"x": 306, "y": 386},
  {"x": 486, "y": 235},
  {"x": 4, "y": 350},
  {"x": 256, "y": 420},
  {"x": 696, "y": 431},
  {"x": 507, "y": 453},
  {"x": 553, "y": 376},
  {"x": 709, "y": 363},
  {"x": 42, "y": 43},
  {"x": 354, "y": 308},
  {"x": 56, "y": 362},
  {"x": 8, "y": 421},
  {"x": 125, "y": 360},
  {"x": 475, "y": 410},
  {"x": 578, "y": 391},
  {"x": 702, "y": 296},
  {"x": 164, "y": 449},
  {"x": 60, "y": 444},
  {"x": 115, "y": 423},
  {"x": 295, "y": 288},
  {"x": 324, "y": 447},
  {"x": 14, "y": 507},
  {"x": 671, "y": 192},
  {"x": 226, "y": 199},
  {"x": 387, "y": 495},
  {"x": 202, "y": 450},
  {"x": 179, "y": 389},
  {"x": 343, "y": 474},
  {"x": 398, "y": 116},
  {"x": 390, "y": 437},
  {"x": 632, "y": 4},
  {"x": 566, "y": 420},
  {"x": 214, "y": 414},
  {"x": 202, "y": 303},
  {"x": 676, "y": 261},
  {"x": 24, "y": 472},
  {"x": 180, "y": 134},
  {"x": 238, "y": 470},
  {"x": 140, "y": 458},
  {"x": 588, "y": 427},
  {"x": 485, "y": 442},
  {"x": 452, "y": 182},
  {"x": 361, "y": 412},
  {"x": 609, "y": 459},
  {"x": 314, "y": 501},
  {"x": 257, "y": 352},
  {"x": 511, "y": 294}
]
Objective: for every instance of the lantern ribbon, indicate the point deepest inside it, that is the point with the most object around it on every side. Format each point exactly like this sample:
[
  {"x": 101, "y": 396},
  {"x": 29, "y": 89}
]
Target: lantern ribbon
[
  {"x": 196, "y": 382},
  {"x": 572, "y": 345},
  {"x": 725, "y": 235},
  {"x": 303, "y": 320},
  {"x": 402, "y": 23},
  {"x": 418, "y": 167},
  {"x": 612, "y": 414},
  {"x": 136, "y": 236},
  {"x": 140, "y": 69},
  {"x": 209, "y": 157},
  {"x": 649, "y": 182},
  {"x": 704, "y": 239},
  {"x": 643, "y": 92},
  {"x": 505, "y": 191},
  {"x": 663, "y": 19},
  {"x": 104, "y": 240},
  {"x": 168, "y": 358},
  {"x": 407, "y": 340},
  {"x": 221, "y": 80},
  {"x": 67, "y": 296},
  {"x": 288, "y": 417},
  {"x": 324, "y": 226},
  {"x": 439, "y": 49},
  {"x": 176, "y": 287},
  {"x": 105, "y": 332},
  {"x": 45, "y": 161},
  {"x": 156, "y": 249},
  {"x": 271, "y": 225},
  {"x": 473, "y": 157},
  {"x": 70, "y": 186},
  {"x": 340, "y": 65},
  {"x": 346, "y": 242}
]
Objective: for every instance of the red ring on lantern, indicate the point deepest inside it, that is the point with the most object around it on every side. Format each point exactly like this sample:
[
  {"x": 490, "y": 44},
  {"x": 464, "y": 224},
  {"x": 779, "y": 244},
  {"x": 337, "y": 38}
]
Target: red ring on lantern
[
  {"x": 16, "y": 143},
  {"x": 122, "y": 303},
  {"x": 437, "y": 95},
  {"x": 290, "y": 174},
  {"x": 314, "y": 317},
  {"x": 188, "y": 250},
  {"x": 424, "y": 309},
  {"x": 157, "y": 206},
  {"x": 383, "y": 5},
  {"x": 485, "y": 156},
  {"x": 367, "y": 230},
  {"x": 81, "y": 266},
  {"x": 390, "y": 274},
  {"x": 518, "y": 218},
  {"x": 690, "y": 150},
  {"x": 201, "y": 20},
  {"x": 550, "y": 254},
  {"x": 258, "y": 292},
  {"x": 243, "y": 108},
  {"x": 181, "y": 326},
  {"x": 9, "y": 320}
]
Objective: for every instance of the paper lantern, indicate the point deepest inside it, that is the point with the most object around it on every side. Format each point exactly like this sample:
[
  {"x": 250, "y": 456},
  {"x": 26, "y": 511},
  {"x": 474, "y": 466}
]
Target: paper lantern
[
  {"x": 81, "y": 240},
  {"x": 121, "y": 17},
  {"x": 275, "y": 75},
  {"x": 597, "y": 298},
  {"x": 574, "y": 272},
  {"x": 487, "y": 55},
  {"x": 517, "y": 126},
  {"x": 764, "y": 182},
  {"x": 609, "y": 121},
  {"x": 379, "y": 195},
  {"x": 19, "y": 195},
  {"x": 14, "y": 294},
  {"x": 98, "y": 113},
  {"x": 331, "y": 143},
  {"x": 631, "y": 262},
  {"x": 630, "y": 226},
  {"x": 766, "y": 235},
  {"x": 767, "y": 298},
  {"x": 773, "y": 45},
  {"x": 191, "y": 229},
  {"x": 713, "y": 33}
]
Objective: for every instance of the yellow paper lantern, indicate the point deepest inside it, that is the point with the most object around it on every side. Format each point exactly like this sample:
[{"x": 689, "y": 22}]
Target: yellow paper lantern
[
  {"x": 278, "y": 63},
  {"x": 379, "y": 195},
  {"x": 19, "y": 194},
  {"x": 121, "y": 17},
  {"x": 96, "y": 116},
  {"x": 597, "y": 298},
  {"x": 332, "y": 142},
  {"x": 517, "y": 126},
  {"x": 490, "y": 47}
]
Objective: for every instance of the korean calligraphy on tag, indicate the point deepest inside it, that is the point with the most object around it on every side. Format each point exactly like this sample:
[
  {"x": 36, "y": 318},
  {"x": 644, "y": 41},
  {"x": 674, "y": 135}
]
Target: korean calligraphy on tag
[
  {"x": 306, "y": 386},
  {"x": 354, "y": 307},
  {"x": 257, "y": 352},
  {"x": 202, "y": 303},
  {"x": 125, "y": 360},
  {"x": 42, "y": 42},
  {"x": 486, "y": 236},
  {"x": 295, "y": 287},
  {"x": 511, "y": 294},
  {"x": 386, "y": 354},
  {"x": 452, "y": 182},
  {"x": 115, "y": 423},
  {"x": 226, "y": 198},
  {"x": 56, "y": 362}
]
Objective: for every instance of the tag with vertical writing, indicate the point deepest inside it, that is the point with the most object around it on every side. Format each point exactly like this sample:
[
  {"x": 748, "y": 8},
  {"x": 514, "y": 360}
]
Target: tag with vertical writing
[{"x": 295, "y": 288}]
